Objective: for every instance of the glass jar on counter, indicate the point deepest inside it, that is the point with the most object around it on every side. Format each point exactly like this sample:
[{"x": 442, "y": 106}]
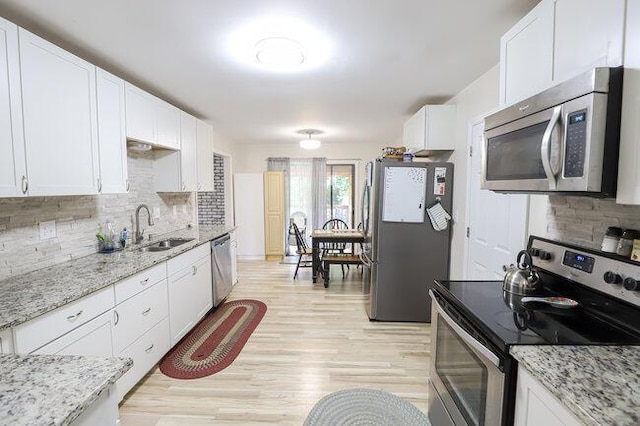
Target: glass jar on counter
[
  {"x": 611, "y": 239},
  {"x": 625, "y": 245}
]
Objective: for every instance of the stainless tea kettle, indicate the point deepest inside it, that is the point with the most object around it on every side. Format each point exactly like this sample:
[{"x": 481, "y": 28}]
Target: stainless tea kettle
[{"x": 520, "y": 278}]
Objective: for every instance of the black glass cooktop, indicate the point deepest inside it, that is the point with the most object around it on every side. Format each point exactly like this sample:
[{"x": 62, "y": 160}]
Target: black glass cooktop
[{"x": 505, "y": 321}]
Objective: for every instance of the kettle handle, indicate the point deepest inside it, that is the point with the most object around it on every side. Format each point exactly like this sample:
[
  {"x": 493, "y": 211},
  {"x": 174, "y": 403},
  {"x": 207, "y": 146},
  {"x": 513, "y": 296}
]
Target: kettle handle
[{"x": 527, "y": 263}]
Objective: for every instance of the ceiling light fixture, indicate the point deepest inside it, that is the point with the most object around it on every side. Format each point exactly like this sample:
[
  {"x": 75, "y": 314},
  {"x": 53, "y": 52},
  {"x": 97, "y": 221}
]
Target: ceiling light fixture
[
  {"x": 310, "y": 143},
  {"x": 279, "y": 52}
]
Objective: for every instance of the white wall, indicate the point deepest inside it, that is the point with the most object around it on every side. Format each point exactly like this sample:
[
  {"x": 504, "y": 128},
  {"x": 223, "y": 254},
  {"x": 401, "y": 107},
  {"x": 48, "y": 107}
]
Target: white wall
[{"x": 477, "y": 99}]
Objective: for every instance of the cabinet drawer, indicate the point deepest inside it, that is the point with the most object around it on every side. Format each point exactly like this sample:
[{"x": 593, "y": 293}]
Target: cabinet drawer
[
  {"x": 140, "y": 281},
  {"x": 145, "y": 352},
  {"x": 138, "y": 314},
  {"x": 187, "y": 259},
  {"x": 42, "y": 330},
  {"x": 90, "y": 339}
]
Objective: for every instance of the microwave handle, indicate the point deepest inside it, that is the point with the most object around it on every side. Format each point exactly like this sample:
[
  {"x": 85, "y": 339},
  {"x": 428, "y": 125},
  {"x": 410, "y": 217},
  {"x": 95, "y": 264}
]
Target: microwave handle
[{"x": 545, "y": 147}]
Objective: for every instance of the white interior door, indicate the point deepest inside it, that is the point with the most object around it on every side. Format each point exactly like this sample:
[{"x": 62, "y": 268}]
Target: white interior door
[{"x": 497, "y": 223}]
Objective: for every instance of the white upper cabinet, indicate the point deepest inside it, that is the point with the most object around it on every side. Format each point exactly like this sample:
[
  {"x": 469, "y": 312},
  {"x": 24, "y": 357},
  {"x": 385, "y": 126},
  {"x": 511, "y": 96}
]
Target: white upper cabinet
[
  {"x": 60, "y": 120},
  {"x": 13, "y": 171},
  {"x": 141, "y": 116},
  {"x": 204, "y": 138},
  {"x": 151, "y": 120},
  {"x": 175, "y": 171},
  {"x": 588, "y": 34},
  {"x": 526, "y": 55},
  {"x": 111, "y": 133},
  {"x": 430, "y": 129}
]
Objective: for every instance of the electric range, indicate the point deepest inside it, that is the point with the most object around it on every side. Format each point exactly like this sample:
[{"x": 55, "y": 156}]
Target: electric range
[{"x": 474, "y": 323}]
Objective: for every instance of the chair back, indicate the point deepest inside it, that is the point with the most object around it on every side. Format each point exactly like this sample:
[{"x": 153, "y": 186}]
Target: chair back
[
  {"x": 302, "y": 245},
  {"x": 335, "y": 224}
]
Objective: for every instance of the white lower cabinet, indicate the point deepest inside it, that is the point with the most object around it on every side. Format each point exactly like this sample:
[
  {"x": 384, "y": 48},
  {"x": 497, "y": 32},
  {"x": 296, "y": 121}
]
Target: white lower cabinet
[
  {"x": 190, "y": 290},
  {"x": 102, "y": 412},
  {"x": 146, "y": 351},
  {"x": 535, "y": 405},
  {"x": 91, "y": 339}
]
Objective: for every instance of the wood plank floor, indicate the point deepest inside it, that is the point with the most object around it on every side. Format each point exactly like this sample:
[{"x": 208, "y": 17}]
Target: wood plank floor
[{"x": 311, "y": 342}]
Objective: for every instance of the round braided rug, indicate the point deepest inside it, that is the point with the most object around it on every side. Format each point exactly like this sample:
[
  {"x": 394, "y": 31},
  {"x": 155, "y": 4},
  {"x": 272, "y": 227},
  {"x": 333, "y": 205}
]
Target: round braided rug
[{"x": 365, "y": 407}]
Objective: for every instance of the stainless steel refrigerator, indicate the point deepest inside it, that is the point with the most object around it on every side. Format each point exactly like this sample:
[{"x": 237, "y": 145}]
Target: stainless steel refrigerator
[{"x": 403, "y": 252}]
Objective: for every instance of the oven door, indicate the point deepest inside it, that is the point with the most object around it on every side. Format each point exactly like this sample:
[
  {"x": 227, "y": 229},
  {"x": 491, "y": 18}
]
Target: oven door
[
  {"x": 557, "y": 149},
  {"x": 465, "y": 375}
]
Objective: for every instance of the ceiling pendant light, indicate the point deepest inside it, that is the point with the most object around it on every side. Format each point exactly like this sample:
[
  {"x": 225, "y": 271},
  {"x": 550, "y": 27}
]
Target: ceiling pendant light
[
  {"x": 310, "y": 143},
  {"x": 279, "y": 52}
]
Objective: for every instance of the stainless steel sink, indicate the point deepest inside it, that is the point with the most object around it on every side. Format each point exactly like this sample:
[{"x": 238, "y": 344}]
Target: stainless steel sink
[{"x": 167, "y": 244}]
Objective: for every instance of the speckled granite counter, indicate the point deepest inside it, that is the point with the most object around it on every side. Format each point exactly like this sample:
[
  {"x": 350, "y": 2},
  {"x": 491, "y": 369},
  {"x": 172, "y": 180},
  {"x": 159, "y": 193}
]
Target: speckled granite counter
[
  {"x": 52, "y": 389},
  {"x": 599, "y": 384},
  {"x": 27, "y": 296}
]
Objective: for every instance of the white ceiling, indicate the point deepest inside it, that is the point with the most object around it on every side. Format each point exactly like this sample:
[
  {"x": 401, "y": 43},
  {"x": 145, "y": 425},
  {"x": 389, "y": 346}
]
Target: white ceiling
[{"x": 387, "y": 58}]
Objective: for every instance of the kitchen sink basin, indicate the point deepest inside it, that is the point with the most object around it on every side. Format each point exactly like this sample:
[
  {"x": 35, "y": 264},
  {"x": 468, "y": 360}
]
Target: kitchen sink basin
[{"x": 167, "y": 244}]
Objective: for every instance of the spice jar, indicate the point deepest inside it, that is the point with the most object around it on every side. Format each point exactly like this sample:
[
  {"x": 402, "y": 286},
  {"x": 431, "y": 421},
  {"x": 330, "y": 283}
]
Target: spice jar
[
  {"x": 626, "y": 243},
  {"x": 611, "y": 239}
]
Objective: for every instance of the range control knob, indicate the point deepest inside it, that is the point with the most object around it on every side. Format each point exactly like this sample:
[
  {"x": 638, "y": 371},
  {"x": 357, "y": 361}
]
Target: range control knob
[
  {"x": 612, "y": 278},
  {"x": 534, "y": 252},
  {"x": 630, "y": 284},
  {"x": 545, "y": 255}
]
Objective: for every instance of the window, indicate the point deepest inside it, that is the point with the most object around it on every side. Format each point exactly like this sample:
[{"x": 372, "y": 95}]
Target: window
[{"x": 340, "y": 192}]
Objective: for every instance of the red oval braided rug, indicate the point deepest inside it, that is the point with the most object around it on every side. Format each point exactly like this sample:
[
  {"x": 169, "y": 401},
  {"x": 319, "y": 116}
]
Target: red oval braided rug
[{"x": 214, "y": 343}]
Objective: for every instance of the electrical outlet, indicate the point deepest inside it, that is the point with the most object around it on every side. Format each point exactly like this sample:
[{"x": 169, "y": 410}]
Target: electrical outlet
[
  {"x": 48, "y": 229},
  {"x": 175, "y": 210},
  {"x": 156, "y": 212}
]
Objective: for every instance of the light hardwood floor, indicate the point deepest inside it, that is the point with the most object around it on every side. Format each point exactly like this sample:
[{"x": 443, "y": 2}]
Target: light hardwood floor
[{"x": 311, "y": 342}]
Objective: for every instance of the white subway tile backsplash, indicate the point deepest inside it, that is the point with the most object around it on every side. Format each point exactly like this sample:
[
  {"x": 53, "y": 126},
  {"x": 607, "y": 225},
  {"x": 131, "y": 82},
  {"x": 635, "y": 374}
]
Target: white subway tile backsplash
[{"x": 77, "y": 219}]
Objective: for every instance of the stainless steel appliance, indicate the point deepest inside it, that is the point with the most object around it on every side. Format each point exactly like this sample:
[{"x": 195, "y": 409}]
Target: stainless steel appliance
[
  {"x": 221, "y": 268},
  {"x": 564, "y": 139},
  {"x": 474, "y": 323},
  {"x": 402, "y": 250}
]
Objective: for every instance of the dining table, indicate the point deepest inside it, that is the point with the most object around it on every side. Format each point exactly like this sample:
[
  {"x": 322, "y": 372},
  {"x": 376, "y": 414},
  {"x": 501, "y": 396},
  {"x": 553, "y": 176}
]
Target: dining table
[{"x": 320, "y": 236}]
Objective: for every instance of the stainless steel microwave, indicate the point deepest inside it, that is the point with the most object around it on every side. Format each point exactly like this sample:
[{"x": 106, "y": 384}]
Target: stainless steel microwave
[{"x": 562, "y": 140}]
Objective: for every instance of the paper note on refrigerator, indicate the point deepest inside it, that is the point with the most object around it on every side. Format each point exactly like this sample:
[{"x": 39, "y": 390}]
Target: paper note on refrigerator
[{"x": 404, "y": 194}]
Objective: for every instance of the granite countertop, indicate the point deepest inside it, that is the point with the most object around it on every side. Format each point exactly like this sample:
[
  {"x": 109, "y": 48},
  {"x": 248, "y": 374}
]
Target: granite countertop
[
  {"x": 27, "y": 296},
  {"x": 53, "y": 389},
  {"x": 599, "y": 384}
]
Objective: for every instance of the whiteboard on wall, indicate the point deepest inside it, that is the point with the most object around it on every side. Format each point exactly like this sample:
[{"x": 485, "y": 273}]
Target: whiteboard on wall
[
  {"x": 248, "y": 191},
  {"x": 404, "y": 194}
]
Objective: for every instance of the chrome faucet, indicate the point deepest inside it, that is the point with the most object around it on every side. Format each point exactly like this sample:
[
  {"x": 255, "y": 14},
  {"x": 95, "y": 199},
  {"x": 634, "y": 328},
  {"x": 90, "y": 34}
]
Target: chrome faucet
[{"x": 138, "y": 236}]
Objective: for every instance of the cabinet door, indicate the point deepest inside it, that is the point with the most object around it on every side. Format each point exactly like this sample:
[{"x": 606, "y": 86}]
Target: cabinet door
[
  {"x": 274, "y": 214},
  {"x": 140, "y": 114},
  {"x": 413, "y": 131},
  {"x": 167, "y": 125},
  {"x": 203, "y": 297},
  {"x": 188, "y": 152},
  {"x": 526, "y": 55},
  {"x": 204, "y": 138},
  {"x": 60, "y": 120},
  {"x": 588, "y": 34},
  {"x": 234, "y": 257},
  {"x": 13, "y": 171},
  {"x": 441, "y": 125},
  {"x": 112, "y": 139},
  {"x": 182, "y": 290}
]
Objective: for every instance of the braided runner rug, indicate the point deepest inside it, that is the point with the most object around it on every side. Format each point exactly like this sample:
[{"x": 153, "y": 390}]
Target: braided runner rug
[{"x": 214, "y": 343}]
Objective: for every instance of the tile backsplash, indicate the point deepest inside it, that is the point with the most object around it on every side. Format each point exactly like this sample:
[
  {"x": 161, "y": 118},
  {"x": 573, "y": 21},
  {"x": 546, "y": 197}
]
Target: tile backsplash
[
  {"x": 211, "y": 207},
  {"x": 77, "y": 218},
  {"x": 583, "y": 220}
]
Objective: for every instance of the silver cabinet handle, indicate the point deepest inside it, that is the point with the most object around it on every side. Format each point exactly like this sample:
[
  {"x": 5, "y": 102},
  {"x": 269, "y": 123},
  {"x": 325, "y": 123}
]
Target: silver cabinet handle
[
  {"x": 199, "y": 186},
  {"x": 25, "y": 185},
  {"x": 116, "y": 318},
  {"x": 523, "y": 108},
  {"x": 149, "y": 349},
  {"x": 194, "y": 270},
  {"x": 128, "y": 185},
  {"x": 74, "y": 317},
  {"x": 184, "y": 186},
  {"x": 146, "y": 311},
  {"x": 145, "y": 281},
  {"x": 99, "y": 185},
  {"x": 545, "y": 147}
]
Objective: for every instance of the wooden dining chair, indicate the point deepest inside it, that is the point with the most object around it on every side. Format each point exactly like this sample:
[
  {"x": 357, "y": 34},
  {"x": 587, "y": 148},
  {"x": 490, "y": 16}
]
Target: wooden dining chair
[{"x": 303, "y": 251}]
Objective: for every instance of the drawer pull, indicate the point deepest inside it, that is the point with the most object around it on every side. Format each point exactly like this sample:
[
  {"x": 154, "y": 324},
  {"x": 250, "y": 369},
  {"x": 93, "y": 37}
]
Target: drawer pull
[
  {"x": 74, "y": 317},
  {"x": 116, "y": 317},
  {"x": 145, "y": 281},
  {"x": 149, "y": 349},
  {"x": 146, "y": 311},
  {"x": 194, "y": 270}
]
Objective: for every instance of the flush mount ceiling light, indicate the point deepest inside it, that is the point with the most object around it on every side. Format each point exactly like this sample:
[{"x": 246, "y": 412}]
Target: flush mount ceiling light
[
  {"x": 279, "y": 52},
  {"x": 139, "y": 146},
  {"x": 310, "y": 143}
]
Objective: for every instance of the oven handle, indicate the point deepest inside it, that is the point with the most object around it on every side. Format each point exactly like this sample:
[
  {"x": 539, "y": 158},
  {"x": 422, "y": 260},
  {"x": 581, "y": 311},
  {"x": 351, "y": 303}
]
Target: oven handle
[
  {"x": 545, "y": 147},
  {"x": 464, "y": 335}
]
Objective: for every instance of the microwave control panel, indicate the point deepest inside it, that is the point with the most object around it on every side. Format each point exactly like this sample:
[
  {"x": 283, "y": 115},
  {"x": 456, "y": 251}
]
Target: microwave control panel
[{"x": 576, "y": 144}]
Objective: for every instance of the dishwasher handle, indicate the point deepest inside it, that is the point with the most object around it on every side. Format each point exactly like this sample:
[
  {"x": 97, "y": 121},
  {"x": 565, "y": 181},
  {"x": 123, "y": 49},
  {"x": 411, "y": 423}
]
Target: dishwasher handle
[{"x": 221, "y": 240}]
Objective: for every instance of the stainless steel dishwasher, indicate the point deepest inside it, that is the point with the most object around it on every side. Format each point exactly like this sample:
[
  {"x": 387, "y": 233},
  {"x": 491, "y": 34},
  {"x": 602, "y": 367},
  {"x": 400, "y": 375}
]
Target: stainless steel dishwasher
[{"x": 221, "y": 268}]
